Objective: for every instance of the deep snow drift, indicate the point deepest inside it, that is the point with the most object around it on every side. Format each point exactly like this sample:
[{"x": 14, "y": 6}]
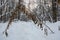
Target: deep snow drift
[{"x": 29, "y": 31}]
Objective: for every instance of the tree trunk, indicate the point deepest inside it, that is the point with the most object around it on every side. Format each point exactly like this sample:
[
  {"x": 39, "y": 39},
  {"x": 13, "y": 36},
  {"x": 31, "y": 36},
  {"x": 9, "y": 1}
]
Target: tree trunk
[{"x": 54, "y": 10}]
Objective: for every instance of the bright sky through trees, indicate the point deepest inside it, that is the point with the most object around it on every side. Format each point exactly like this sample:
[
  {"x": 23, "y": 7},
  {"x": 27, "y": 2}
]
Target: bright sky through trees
[{"x": 31, "y": 3}]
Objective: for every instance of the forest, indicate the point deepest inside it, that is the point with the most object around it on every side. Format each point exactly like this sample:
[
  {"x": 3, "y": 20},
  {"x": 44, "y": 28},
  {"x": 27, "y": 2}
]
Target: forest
[{"x": 38, "y": 11}]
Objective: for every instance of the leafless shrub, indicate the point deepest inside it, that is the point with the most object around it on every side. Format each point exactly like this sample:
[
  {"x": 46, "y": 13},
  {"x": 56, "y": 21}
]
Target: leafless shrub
[{"x": 45, "y": 31}]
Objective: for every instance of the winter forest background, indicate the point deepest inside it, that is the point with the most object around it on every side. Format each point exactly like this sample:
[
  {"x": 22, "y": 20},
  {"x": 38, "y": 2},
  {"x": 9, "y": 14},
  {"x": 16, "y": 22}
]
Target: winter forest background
[
  {"x": 43, "y": 8},
  {"x": 41, "y": 13}
]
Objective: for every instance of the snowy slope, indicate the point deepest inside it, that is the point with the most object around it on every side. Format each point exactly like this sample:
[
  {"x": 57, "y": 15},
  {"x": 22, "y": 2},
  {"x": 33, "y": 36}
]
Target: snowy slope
[{"x": 29, "y": 31}]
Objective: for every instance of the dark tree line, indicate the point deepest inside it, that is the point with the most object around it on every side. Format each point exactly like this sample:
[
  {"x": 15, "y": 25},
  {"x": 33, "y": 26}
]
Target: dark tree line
[{"x": 47, "y": 14}]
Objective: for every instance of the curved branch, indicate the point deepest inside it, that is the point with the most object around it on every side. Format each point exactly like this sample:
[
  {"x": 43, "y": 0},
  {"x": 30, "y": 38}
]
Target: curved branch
[{"x": 3, "y": 4}]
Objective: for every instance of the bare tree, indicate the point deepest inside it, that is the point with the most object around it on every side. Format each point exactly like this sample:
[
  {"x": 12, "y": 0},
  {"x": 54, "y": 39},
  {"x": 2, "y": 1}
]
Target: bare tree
[{"x": 54, "y": 10}]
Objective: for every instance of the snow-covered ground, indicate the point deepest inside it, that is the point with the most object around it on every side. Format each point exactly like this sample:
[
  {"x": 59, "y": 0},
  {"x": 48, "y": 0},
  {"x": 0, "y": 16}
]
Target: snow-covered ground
[{"x": 29, "y": 31}]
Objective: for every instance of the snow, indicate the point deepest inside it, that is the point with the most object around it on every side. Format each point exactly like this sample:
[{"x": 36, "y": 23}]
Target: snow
[{"x": 29, "y": 31}]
